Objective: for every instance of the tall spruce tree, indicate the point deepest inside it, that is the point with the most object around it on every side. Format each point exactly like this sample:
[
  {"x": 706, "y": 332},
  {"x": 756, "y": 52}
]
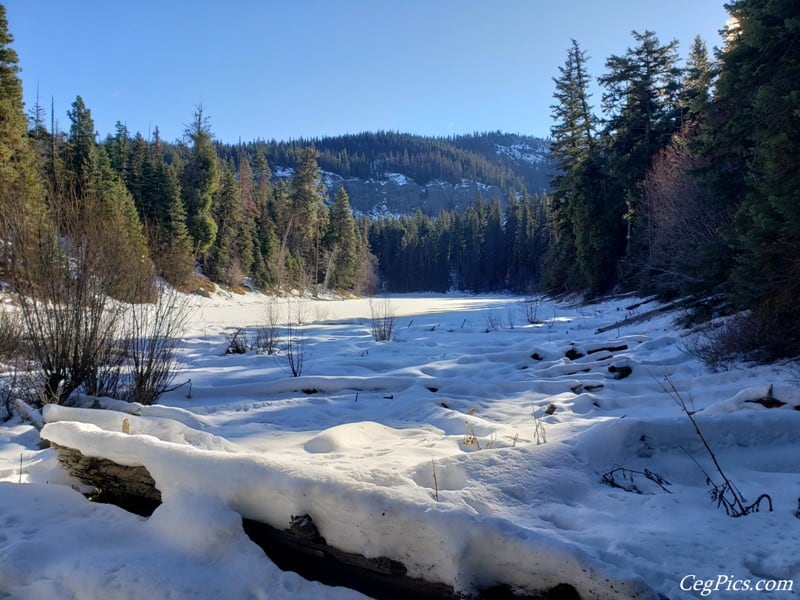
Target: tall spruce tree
[
  {"x": 170, "y": 241},
  {"x": 642, "y": 107},
  {"x": 697, "y": 82},
  {"x": 199, "y": 182},
  {"x": 96, "y": 206},
  {"x": 265, "y": 242},
  {"x": 341, "y": 242},
  {"x": 21, "y": 192},
  {"x": 82, "y": 151},
  {"x": 225, "y": 255},
  {"x": 575, "y": 204},
  {"x": 308, "y": 215}
]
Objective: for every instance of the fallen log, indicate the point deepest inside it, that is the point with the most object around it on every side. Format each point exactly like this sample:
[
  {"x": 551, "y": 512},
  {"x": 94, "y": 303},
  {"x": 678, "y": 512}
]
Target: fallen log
[
  {"x": 645, "y": 316},
  {"x": 299, "y": 548},
  {"x": 108, "y": 477}
]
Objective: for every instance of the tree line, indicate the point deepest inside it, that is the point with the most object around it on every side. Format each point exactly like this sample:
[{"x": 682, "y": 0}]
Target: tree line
[
  {"x": 686, "y": 182},
  {"x": 371, "y": 155},
  {"x": 487, "y": 248}
]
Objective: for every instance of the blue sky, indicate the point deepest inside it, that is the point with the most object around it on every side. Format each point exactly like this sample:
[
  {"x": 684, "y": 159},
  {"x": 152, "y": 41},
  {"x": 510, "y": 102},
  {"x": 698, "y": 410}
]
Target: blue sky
[{"x": 307, "y": 68}]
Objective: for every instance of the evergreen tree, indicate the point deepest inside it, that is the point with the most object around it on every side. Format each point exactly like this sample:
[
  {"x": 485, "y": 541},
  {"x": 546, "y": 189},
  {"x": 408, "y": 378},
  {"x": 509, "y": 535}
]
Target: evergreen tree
[
  {"x": 752, "y": 139},
  {"x": 492, "y": 254},
  {"x": 96, "y": 206},
  {"x": 265, "y": 242},
  {"x": 341, "y": 242},
  {"x": 307, "y": 214},
  {"x": 698, "y": 79},
  {"x": 575, "y": 202},
  {"x": 248, "y": 203},
  {"x": 170, "y": 241},
  {"x": 641, "y": 101},
  {"x": 82, "y": 148},
  {"x": 117, "y": 147},
  {"x": 472, "y": 240},
  {"x": 21, "y": 192},
  {"x": 225, "y": 255},
  {"x": 199, "y": 183}
]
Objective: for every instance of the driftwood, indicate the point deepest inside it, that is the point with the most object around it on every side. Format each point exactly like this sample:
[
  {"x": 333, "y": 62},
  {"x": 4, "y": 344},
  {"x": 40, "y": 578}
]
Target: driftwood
[
  {"x": 299, "y": 547},
  {"x": 108, "y": 477},
  {"x": 645, "y": 316}
]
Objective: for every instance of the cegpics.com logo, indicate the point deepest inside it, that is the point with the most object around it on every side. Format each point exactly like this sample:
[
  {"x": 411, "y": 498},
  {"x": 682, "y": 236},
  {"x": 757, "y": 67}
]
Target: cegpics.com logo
[{"x": 730, "y": 583}]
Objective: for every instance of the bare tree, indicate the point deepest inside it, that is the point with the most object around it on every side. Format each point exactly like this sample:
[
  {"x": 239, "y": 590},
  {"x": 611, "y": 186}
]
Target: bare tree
[
  {"x": 265, "y": 338},
  {"x": 296, "y": 350},
  {"x": 677, "y": 218},
  {"x": 152, "y": 337},
  {"x": 382, "y": 318}
]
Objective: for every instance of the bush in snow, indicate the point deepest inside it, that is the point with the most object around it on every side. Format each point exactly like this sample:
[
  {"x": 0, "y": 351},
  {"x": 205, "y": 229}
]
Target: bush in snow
[
  {"x": 382, "y": 318},
  {"x": 295, "y": 354},
  {"x": 152, "y": 334}
]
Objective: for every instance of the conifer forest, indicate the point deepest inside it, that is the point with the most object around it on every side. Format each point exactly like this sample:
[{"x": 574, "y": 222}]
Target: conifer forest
[{"x": 681, "y": 180}]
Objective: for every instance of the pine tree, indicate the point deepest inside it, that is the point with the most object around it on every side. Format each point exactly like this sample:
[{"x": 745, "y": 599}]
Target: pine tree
[
  {"x": 224, "y": 256},
  {"x": 96, "y": 207},
  {"x": 576, "y": 202},
  {"x": 341, "y": 242},
  {"x": 752, "y": 139},
  {"x": 265, "y": 242},
  {"x": 641, "y": 101},
  {"x": 117, "y": 147},
  {"x": 307, "y": 215},
  {"x": 494, "y": 267},
  {"x": 21, "y": 191},
  {"x": 82, "y": 148},
  {"x": 199, "y": 182},
  {"x": 698, "y": 79},
  {"x": 170, "y": 241}
]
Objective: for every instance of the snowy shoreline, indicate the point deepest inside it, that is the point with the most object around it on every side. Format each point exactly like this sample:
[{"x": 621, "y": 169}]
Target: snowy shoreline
[{"x": 470, "y": 448}]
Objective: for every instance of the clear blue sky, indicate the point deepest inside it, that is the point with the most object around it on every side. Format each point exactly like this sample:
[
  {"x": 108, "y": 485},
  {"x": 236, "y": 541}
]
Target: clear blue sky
[{"x": 306, "y": 68}]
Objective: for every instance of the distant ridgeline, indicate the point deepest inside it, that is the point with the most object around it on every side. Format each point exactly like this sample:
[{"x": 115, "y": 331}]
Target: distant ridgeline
[{"x": 392, "y": 173}]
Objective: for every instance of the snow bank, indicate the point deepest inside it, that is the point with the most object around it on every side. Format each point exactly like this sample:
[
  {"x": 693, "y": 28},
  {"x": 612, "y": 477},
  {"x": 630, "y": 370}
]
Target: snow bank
[{"x": 435, "y": 542}]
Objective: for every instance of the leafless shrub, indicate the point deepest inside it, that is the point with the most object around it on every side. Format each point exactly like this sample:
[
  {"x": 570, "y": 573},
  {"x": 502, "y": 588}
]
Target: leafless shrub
[
  {"x": 511, "y": 315},
  {"x": 265, "y": 337},
  {"x": 492, "y": 322},
  {"x": 152, "y": 336},
  {"x": 11, "y": 333},
  {"x": 70, "y": 321},
  {"x": 724, "y": 493},
  {"x": 18, "y": 388},
  {"x": 295, "y": 351},
  {"x": 531, "y": 307},
  {"x": 65, "y": 280},
  {"x": 382, "y": 317},
  {"x": 741, "y": 337},
  {"x": 8, "y": 391},
  {"x": 237, "y": 341},
  {"x": 675, "y": 219}
]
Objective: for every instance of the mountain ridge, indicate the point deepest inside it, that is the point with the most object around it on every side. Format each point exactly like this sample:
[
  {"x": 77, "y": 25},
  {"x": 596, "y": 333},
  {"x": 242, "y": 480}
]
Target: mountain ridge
[{"x": 393, "y": 173}]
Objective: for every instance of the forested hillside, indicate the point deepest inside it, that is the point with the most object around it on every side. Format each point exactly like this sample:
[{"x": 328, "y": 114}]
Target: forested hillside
[
  {"x": 394, "y": 173},
  {"x": 682, "y": 179}
]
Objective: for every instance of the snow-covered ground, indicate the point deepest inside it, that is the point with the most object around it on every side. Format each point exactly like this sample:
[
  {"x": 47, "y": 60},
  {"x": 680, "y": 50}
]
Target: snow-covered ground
[{"x": 470, "y": 448}]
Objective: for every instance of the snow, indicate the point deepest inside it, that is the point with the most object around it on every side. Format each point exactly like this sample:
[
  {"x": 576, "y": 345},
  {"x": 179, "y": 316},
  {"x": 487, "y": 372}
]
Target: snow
[
  {"x": 523, "y": 153},
  {"x": 469, "y": 447},
  {"x": 397, "y": 178},
  {"x": 282, "y": 172}
]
